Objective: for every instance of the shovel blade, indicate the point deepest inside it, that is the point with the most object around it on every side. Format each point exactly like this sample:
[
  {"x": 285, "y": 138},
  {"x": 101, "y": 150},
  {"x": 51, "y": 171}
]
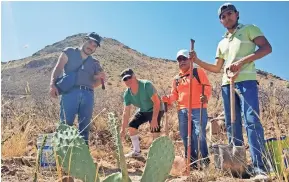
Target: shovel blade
[{"x": 231, "y": 159}]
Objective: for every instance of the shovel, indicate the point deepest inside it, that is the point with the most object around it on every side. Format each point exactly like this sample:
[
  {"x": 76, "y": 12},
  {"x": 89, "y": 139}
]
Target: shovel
[{"x": 230, "y": 157}]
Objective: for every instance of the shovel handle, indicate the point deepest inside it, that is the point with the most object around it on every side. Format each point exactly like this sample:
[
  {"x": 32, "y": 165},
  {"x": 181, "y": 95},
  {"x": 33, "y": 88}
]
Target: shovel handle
[
  {"x": 192, "y": 44},
  {"x": 232, "y": 100}
]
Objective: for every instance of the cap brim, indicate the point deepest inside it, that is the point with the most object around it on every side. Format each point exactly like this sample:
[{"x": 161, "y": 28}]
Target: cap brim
[
  {"x": 125, "y": 76},
  {"x": 227, "y": 9},
  {"x": 181, "y": 55},
  {"x": 96, "y": 41}
]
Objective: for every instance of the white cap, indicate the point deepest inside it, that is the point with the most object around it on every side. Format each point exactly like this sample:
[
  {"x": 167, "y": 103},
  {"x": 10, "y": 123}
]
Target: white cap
[{"x": 183, "y": 52}]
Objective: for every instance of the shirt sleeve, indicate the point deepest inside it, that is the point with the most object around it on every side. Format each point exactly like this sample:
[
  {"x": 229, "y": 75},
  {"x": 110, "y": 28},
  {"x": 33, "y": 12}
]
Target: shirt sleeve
[
  {"x": 150, "y": 89},
  {"x": 174, "y": 93},
  {"x": 253, "y": 32},
  {"x": 126, "y": 100},
  {"x": 219, "y": 54},
  {"x": 68, "y": 51}
]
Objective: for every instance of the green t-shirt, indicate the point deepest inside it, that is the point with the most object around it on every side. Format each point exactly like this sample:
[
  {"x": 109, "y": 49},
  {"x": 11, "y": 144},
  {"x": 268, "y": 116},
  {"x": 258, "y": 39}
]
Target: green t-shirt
[
  {"x": 142, "y": 99},
  {"x": 237, "y": 45}
]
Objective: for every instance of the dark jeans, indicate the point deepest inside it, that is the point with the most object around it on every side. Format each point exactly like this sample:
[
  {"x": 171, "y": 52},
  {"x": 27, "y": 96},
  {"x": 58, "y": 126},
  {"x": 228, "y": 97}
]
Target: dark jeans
[
  {"x": 246, "y": 105},
  {"x": 183, "y": 126}
]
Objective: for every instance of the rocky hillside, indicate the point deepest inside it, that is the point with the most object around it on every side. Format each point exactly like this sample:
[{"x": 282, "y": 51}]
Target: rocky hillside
[
  {"x": 27, "y": 110},
  {"x": 29, "y": 77}
]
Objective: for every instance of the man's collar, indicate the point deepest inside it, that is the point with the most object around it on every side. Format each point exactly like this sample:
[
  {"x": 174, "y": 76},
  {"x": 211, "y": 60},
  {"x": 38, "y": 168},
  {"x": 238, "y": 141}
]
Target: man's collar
[{"x": 237, "y": 28}]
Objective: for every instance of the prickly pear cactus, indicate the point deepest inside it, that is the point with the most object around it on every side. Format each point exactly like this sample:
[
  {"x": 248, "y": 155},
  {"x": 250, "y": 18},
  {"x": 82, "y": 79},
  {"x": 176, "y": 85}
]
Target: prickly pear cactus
[
  {"x": 114, "y": 129},
  {"x": 73, "y": 154},
  {"x": 115, "y": 177},
  {"x": 160, "y": 160}
]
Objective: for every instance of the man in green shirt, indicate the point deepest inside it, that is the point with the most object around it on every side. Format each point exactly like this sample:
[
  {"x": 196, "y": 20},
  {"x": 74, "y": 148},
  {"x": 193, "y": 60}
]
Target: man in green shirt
[
  {"x": 141, "y": 94},
  {"x": 237, "y": 51}
]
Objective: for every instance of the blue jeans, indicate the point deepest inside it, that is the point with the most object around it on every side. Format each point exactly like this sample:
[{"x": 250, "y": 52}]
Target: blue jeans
[
  {"x": 245, "y": 106},
  {"x": 183, "y": 126},
  {"x": 80, "y": 102}
]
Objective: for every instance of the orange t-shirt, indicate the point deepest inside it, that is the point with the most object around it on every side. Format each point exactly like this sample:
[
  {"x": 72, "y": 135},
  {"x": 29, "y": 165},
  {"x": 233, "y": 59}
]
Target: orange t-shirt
[{"x": 181, "y": 93}]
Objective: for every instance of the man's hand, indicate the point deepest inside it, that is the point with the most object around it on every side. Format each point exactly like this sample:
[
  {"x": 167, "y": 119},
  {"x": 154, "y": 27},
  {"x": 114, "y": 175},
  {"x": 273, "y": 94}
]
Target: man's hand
[
  {"x": 193, "y": 56},
  {"x": 154, "y": 125},
  {"x": 100, "y": 75},
  {"x": 236, "y": 66},
  {"x": 165, "y": 99},
  {"x": 230, "y": 74},
  {"x": 53, "y": 91},
  {"x": 203, "y": 98}
]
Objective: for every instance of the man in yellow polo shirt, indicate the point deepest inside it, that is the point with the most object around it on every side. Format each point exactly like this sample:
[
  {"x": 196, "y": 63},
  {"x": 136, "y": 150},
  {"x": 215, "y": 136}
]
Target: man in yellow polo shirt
[{"x": 237, "y": 51}]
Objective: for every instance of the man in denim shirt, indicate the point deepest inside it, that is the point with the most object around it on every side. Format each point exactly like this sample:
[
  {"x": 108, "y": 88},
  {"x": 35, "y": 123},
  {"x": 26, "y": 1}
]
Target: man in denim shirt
[{"x": 80, "y": 99}]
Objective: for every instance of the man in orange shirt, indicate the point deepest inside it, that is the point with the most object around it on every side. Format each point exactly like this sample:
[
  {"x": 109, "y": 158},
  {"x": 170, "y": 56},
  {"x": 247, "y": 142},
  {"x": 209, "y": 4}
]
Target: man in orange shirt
[{"x": 180, "y": 93}]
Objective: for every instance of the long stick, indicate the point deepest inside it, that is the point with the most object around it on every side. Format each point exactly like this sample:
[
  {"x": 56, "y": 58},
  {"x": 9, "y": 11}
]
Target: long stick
[
  {"x": 166, "y": 119},
  {"x": 200, "y": 128},
  {"x": 190, "y": 113}
]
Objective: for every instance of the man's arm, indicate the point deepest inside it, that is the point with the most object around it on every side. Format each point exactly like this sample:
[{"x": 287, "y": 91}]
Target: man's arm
[
  {"x": 97, "y": 79},
  {"x": 173, "y": 96},
  {"x": 62, "y": 60},
  {"x": 156, "y": 109},
  {"x": 125, "y": 117},
  {"x": 215, "y": 68},
  {"x": 98, "y": 74},
  {"x": 264, "y": 48}
]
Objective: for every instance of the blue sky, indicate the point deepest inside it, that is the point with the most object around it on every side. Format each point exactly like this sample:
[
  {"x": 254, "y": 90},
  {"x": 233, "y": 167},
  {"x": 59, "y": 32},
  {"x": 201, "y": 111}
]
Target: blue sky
[{"x": 158, "y": 29}]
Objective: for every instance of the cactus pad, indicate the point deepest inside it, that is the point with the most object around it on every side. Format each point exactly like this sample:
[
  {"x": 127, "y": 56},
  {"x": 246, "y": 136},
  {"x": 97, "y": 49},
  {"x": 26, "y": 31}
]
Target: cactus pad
[
  {"x": 114, "y": 129},
  {"x": 160, "y": 160},
  {"x": 73, "y": 154},
  {"x": 116, "y": 177}
]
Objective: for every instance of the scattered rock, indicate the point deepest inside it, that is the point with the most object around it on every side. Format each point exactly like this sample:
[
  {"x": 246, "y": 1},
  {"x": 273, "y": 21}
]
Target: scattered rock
[
  {"x": 136, "y": 164},
  {"x": 12, "y": 172},
  {"x": 4, "y": 169},
  {"x": 31, "y": 142},
  {"x": 179, "y": 166},
  {"x": 66, "y": 179}
]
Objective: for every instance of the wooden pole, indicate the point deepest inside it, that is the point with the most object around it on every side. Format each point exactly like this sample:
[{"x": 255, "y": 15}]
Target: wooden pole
[{"x": 190, "y": 113}]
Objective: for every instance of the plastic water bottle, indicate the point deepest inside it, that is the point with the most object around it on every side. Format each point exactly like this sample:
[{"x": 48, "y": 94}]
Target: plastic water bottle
[{"x": 47, "y": 159}]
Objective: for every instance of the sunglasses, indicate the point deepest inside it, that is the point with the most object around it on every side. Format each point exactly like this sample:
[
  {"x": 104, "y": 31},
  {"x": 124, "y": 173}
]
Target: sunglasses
[
  {"x": 126, "y": 78},
  {"x": 182, "y": 58}
]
